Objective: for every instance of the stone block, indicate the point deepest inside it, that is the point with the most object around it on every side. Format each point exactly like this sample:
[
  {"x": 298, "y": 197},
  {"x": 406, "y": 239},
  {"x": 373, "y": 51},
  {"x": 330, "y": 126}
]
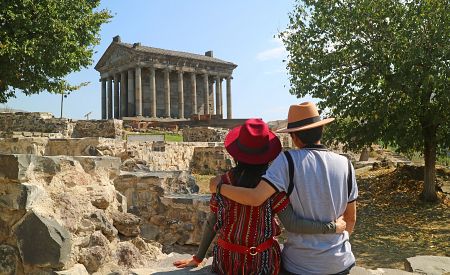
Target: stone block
[
  {"x": 101, "y": 223},
  {"x": 102, "y": 196},
  {"x": 33, "y": 146},
  {"x": 20, "y": 196},
  {"x": 8, "y": 260},
  {"x": 149, "y": 231},
  {"x": 127, "y": 224},
  {"x": 430, "y": 265},
  {"x": 122, "y": 201},
  {"x": 112, "y": 128},
  {"x": 14, "y": 167},
  {"x": 43, "y": 242},
  {"x": 93, "y": 257},
  {"x": 98, "y": 239},
  {"x": 128, "y": 255},
  {"x": 93, "y": 164}
]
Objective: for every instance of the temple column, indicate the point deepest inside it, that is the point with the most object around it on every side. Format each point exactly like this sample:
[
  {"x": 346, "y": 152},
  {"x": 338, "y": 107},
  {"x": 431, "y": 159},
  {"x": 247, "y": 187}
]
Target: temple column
[
  {"x": 211, "y": 98},
  {"x": 167, "y": 91},
  {"x": 218, "y": 95},
  {"x": 123, "y": 94},
  {"x": 194, "y": 93},
  {"x": 153, "y": 91},
  {"x": 221, "y": 98},
  {"x": 116, "y": 96},
  {"x": 180, "y": 95},
  {"x": 206, "y": 87},
  {"x": 109, "y": 98},
  {"x": 138, "y": 91},
  {"x": 104, "y": 114},
  {"x": 229, "y": 113},
  {"x": 131, "y": 107}
]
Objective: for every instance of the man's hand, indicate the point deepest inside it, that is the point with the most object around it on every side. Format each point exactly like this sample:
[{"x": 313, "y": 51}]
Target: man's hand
[
  {"x": 340, "y": 225},
  {"x": 213, "y": 184}
]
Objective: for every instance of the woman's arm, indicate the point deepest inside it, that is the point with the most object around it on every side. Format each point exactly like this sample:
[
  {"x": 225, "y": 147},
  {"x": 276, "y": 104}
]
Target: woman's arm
[
  {"x": 207, "y": 238},
  {"x": 295, "y": 224}
]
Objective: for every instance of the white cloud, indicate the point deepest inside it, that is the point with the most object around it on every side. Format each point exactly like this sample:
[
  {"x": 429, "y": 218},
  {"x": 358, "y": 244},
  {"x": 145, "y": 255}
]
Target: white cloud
[
  {"x": 277, "y": 71},
  {"x": 274, "y": 53}
]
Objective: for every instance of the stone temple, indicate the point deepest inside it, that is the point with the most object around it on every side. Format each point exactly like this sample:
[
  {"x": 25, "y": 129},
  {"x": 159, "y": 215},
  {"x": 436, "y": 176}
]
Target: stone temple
[{"x": 141, "y": 81}]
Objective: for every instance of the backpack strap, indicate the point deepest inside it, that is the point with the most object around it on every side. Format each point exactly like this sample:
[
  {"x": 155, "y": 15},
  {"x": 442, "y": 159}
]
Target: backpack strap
[
  {"x": 349, "y": 178},
  {"x": 291, "y": 172}
]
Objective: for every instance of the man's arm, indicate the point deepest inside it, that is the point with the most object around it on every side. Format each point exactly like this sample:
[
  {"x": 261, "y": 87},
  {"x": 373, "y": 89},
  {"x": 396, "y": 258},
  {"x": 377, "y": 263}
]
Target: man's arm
[
  {"x": 350, "y": 216},
  {"x": 247, "y": 196}
]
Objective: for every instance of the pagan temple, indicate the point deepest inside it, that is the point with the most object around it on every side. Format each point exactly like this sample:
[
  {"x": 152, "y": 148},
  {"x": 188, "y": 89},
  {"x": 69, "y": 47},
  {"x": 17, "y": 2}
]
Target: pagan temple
[{"x": 141, "y": 81}]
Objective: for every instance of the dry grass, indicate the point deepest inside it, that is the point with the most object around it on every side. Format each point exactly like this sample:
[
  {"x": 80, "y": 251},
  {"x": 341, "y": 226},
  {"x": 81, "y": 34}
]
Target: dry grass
[{"x": 393, "y": 224}]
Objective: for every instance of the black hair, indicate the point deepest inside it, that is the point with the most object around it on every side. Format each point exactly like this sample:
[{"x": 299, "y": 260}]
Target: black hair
[
  {"x": 248, "y": 175},
  {"x": 310, "y": 136}
]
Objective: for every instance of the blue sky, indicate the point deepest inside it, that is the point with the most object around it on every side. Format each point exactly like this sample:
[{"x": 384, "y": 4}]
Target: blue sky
[{"x": 238, "y": 31}]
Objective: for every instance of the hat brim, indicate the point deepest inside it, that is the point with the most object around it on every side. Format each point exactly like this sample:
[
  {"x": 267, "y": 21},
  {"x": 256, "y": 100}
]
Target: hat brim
[
  {"x": 306, "y": 127},
  {"x": 232, "y": 148}
]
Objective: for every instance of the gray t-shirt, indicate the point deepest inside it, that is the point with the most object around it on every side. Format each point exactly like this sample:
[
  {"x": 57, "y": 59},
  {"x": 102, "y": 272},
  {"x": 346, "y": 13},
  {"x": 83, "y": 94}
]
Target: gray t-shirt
[{"x": 320, "y": 193}]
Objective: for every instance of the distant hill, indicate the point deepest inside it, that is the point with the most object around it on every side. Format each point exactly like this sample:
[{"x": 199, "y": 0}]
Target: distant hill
[{"x": 277, "y": 124}]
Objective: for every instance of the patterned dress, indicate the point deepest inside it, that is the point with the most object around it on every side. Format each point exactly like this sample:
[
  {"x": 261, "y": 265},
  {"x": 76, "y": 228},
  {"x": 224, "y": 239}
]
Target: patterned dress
[{"x": 247, "y": 226}]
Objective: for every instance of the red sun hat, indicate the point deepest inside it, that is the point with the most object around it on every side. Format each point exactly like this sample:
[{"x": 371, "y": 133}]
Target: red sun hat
[{"x": 253, "y": 142}]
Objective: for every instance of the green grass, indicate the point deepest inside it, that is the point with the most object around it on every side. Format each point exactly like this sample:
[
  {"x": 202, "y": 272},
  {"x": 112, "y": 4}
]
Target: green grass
[
  {"x": 167, "y": 136},
  {"x": 173, "y": 137}
]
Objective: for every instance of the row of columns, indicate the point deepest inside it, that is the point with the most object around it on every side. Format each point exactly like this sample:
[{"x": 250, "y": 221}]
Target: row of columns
[{"x": 128, "y": 99}]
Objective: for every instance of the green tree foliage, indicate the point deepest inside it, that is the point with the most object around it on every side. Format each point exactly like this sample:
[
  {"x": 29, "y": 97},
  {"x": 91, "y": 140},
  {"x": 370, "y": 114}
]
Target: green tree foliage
[
  {"x": 41, "y": 42},
  {"x": 381, "y": 67}
]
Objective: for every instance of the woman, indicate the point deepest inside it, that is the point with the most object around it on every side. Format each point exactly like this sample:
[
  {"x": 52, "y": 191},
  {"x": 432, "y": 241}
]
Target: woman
[{"x": 246, "y": 235}]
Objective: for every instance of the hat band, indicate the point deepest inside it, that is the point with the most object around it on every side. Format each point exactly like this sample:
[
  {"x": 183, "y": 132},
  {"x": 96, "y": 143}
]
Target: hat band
[
  {"x": 252, "y": 151},
  {"x": 303, "y": 122}
]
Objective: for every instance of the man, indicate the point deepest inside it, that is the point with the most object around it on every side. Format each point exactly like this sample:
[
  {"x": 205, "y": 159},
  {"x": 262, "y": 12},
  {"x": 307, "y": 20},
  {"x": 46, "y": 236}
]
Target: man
[{"x": 324, "y": 188}]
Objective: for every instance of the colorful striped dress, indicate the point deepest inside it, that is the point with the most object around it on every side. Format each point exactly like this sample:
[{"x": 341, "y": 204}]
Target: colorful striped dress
[{"x": 247, "y": 226}]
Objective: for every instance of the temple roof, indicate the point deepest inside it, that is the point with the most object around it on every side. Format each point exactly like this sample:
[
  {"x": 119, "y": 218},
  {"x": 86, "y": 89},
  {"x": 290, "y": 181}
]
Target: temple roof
[
  {"x": 120, "y": 48},
  {"x": 176, "y": 53}
]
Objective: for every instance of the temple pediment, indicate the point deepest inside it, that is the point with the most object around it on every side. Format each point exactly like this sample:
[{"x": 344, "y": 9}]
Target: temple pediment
[{"x": 115, "y": 56}]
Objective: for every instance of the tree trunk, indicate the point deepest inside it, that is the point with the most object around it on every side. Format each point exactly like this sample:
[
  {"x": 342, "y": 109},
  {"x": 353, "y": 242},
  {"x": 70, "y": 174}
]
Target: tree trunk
[{"x": 429, "y": 188}]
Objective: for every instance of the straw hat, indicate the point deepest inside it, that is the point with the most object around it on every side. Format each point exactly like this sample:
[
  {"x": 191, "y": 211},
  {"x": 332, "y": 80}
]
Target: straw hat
[
  {"x": 253, "y": 143},
  {"x": 304, "y": 116}
]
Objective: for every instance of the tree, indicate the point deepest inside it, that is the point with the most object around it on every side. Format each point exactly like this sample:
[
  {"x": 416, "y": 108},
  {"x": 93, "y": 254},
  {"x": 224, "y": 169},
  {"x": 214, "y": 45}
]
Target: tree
[
  {"x": 41, "y": 42},
  {"x": 381, "y": 67}
]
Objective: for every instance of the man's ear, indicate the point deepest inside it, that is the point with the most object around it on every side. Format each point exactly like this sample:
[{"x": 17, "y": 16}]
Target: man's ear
[{"x": 296, "y": 140}]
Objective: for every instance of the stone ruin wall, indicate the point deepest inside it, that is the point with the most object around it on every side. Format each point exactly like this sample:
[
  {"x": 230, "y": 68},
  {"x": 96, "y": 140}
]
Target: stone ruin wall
[
  {"x": 29, "y": 123},
  {"x": 61, "y": 212},
  {"x": 154, "y": 197},
  {"x": 204, "y": 134},
  {"x": 23, "y": 124},
  {"x": 82, "y": 196},
  {"x": 167, "y": 217},
  {"x": 107, "y": 218}
]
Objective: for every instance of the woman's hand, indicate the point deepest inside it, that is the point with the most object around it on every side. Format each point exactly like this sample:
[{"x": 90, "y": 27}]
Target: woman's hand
[
  {"x": 213, "y": 184},
  {"x": 340, "y": 225},
  {"x": 185, "y": 263}
]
